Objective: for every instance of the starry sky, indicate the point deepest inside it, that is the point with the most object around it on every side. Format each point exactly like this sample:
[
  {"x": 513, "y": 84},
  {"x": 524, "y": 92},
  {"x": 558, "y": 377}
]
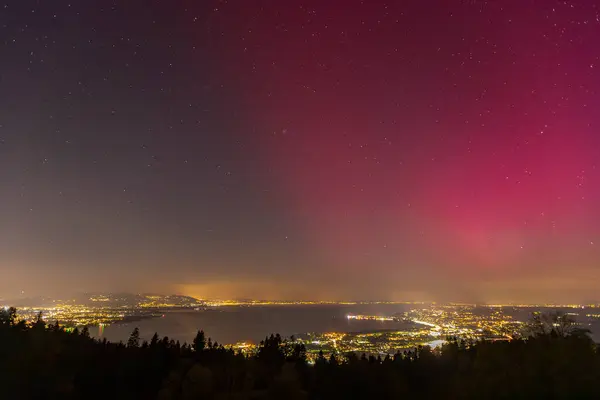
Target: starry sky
[{"x": 317, "y": 149}]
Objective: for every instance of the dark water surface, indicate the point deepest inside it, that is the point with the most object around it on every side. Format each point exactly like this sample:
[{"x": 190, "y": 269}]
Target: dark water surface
[{"x": 233, "y": 324}]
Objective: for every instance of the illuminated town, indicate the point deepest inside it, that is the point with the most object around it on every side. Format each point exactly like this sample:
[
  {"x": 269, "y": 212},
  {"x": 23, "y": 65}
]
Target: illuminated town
[
  {"x": 94, "y": 310},
  {"x": 423, "y": 324},
  {"x": 428, "y": 325}
]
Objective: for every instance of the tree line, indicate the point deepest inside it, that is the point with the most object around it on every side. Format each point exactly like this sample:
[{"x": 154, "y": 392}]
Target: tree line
[{"x": 555, "y": 360}]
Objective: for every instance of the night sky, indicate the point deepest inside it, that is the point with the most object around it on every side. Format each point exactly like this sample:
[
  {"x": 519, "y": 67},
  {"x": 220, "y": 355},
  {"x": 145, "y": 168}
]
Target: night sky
[{"x": 402, "y": 150}]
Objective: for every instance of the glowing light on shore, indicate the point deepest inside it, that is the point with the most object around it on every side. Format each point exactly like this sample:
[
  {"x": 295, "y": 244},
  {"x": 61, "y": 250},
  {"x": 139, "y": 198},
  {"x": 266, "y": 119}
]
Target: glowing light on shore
[
  {"x": 424, "y": 323},
  {"x": 370, "y": 318}
]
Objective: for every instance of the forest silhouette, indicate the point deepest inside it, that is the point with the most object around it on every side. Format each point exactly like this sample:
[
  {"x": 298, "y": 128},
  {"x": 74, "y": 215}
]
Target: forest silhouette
[{"x": 554, "y": 360}]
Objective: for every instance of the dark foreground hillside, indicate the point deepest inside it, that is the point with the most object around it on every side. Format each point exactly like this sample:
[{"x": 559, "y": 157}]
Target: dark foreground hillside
[{"x": 39, "y": 362}]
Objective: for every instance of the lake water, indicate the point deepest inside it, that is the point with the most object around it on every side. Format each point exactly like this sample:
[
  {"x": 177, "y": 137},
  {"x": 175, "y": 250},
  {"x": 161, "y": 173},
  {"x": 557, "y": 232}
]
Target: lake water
[
  {"x": 233, "y": 324},
  {"x": 228, "y": 325}
]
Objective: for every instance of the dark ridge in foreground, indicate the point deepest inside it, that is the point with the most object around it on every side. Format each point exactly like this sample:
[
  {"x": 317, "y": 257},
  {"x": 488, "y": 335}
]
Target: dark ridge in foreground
[{"x": 556, "y": 361}]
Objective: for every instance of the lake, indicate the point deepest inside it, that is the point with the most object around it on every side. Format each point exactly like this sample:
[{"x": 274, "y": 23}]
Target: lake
[{"x": 232, "y": 324}]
